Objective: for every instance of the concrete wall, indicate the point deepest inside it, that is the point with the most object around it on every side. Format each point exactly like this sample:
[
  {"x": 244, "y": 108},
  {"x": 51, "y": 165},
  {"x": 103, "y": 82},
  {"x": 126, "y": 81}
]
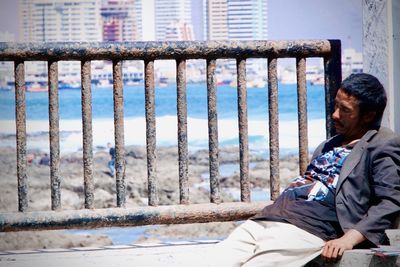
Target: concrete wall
[{"x": 381, "y": 45}]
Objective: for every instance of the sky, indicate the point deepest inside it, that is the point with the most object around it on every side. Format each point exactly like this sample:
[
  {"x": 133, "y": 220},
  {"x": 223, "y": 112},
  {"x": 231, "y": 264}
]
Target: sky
[{"x": 287, "y": 19}]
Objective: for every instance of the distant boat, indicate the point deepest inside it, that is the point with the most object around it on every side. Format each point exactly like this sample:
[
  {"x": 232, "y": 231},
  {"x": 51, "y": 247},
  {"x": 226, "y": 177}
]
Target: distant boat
[
  {"x": 104, "y": 84},
  {"x": 224, "y": 82},
  {"x": 255, "y": 83},
  {"x": 163, "y": 82},
  {"x": 36, "y": 87},
  {"x": 318, "y": 81},
  {"x": 68, "y": 85}
]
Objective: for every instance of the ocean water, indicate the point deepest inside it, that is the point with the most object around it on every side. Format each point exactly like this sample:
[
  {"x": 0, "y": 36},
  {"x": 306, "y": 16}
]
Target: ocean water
[{"x": 166, "y": 120}]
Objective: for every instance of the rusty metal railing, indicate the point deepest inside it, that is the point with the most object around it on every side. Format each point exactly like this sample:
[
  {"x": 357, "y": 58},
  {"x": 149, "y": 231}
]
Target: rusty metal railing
[{"x": 329, "y": 50}]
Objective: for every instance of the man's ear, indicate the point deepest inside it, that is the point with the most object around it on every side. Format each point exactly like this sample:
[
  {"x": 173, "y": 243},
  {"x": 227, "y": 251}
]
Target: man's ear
[{"x": 369, "y": 117}]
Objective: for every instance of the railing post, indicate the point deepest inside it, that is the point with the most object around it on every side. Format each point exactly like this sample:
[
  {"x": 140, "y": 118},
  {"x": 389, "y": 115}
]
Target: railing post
[
  {"x": 150, "y": 132},
  {"x": 213, "y": 131},
  {"x": 54, "y": 135},
  {"x": 302, "y": 114},
  {"x": 182, "y": 131},
  {"x": 333, "y": 79},
  {"x": 87, "y": 134},
  {"x": 20, "y": 119},
  {"x": 119, "y": 133},
  {"x": 245, "y": 195},
  {"x": 273, "y": 128}
]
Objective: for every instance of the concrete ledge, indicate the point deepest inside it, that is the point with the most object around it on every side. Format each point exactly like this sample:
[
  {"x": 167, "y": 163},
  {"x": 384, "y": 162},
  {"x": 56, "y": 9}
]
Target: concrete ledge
[
  {"x": 169, "y": 254},
  {"x": 359, "y": 258}
]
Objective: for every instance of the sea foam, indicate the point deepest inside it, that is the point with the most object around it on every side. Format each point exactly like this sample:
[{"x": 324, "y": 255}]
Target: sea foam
[{"x": 166, "y": 133}]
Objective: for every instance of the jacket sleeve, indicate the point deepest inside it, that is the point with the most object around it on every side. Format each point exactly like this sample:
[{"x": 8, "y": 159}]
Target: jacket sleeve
[{"x": 385, "y": 207}]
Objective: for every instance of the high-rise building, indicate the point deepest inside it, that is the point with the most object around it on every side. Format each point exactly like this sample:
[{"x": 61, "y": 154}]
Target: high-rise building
[
  {"x": 178, "y": 31},
  {"x": 169, "y": 11},
  {"x": 216, "y": 19},
  {"x": 247, "y": 19},
  {"x": 236, "y": 19},
  {"x": 122, "y": 20},
  {"x": 59, "y": 21}
]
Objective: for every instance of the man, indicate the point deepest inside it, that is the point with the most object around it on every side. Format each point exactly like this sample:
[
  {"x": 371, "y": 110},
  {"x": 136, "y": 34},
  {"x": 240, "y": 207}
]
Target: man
[
  {"x": 348, "y": 196},
  {"x": 111, "y": 162}
]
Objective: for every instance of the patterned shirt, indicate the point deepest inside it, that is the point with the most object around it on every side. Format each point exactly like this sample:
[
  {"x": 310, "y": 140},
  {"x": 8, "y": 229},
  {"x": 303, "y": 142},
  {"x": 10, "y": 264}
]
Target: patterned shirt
[{"x": 309, "y": 201}]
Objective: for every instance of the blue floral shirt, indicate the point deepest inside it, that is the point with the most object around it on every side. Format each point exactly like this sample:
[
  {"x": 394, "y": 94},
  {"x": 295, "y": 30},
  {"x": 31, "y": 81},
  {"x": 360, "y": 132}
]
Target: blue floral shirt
[{"x": 309, "y": 201}]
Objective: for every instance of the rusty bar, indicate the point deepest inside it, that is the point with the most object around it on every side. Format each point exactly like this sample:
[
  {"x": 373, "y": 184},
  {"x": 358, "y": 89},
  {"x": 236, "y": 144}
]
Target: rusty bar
[
  {"x": 333, "y": 79},
  {"x": 119, "y": 133},
  {"x": 213, "y": 131},
  {"x": 151, "y": 132},
  {"x": 164, "y": 50},
  {"x": 87, "y": 134},
  {"x": 243, "y": 131},
  {"x": 54, "y": 135},
  {"x": 302, "y": 114},
  {"x": 171, "y": 214},
  {"x": 20, "y": 119},
  {"x": 273, "y": 127},
  {"x": 182, "y": 131}
]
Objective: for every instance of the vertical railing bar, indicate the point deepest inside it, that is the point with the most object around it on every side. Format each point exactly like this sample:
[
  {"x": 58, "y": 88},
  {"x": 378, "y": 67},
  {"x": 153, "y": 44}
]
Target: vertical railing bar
[
  {"x": 213, "y": 131},
  {"x": 150, "y": 132},
  {"x": 273, "y": 128},
  {"x": 243, "y": 131},
  {"x": 182, "y": 131},
  {"x": 87, "y": 134},
  {"x": 119, "y": 133},
  {"x": 20, "y": 119},
  {"x": 333, "y": 79},
  {"x": 54, "y": 135},
  {"x": 302, "y": 113}
]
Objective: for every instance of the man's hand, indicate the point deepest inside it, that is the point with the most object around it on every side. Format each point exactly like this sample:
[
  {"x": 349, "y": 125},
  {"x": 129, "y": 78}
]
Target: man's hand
[{"x": 334, "y": 249}]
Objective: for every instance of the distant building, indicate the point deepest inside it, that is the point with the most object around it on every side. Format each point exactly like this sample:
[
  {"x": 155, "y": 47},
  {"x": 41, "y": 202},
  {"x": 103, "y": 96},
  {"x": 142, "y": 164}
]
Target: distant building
[
  {"x": 59, "y": 21},
  {"x": 121, "y": 20},
  {"x": 236, "y": 19},
  {"x": 170, "y": 11},
  {"x": 6, "y": 67},
  {"x": 352, "y": 62},
  {"x": 179, "y": 31},
  {"x": 216, "y": 19},
  {"x": 247, "y": 19}
]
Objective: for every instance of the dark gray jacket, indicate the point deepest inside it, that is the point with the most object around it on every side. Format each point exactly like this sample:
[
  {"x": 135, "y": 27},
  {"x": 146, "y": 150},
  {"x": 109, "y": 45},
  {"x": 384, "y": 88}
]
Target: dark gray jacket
[{"x": 368, "y": 189}]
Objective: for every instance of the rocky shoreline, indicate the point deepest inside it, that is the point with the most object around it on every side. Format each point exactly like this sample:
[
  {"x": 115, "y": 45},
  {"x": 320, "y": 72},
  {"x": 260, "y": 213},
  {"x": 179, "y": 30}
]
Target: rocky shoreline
[{"x": 71, "y": 172}]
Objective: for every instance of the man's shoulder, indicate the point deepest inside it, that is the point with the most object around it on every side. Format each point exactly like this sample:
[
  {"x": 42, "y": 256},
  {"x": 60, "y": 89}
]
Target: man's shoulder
[{"x": 382, "y": 136}]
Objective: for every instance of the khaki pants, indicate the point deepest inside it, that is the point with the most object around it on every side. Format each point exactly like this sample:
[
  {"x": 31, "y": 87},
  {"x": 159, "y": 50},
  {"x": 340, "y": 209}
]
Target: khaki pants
[{"x": 265, "y": 243}]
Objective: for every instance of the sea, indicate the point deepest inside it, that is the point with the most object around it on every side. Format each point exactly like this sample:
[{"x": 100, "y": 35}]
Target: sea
[
  {"x": 70, "y": 113},
  {"x": 166, "y": 125}
]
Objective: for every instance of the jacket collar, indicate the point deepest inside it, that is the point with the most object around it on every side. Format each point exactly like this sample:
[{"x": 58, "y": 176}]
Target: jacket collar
[{"x": 354, "y": 157}]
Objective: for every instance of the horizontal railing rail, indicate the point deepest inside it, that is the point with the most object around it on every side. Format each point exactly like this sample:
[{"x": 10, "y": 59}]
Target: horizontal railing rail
[{"x": 329, "y": 50}]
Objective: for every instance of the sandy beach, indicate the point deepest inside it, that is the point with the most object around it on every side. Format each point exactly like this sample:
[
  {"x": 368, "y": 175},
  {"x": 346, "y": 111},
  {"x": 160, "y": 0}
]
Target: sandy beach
[{"x": 71, "y": 171}]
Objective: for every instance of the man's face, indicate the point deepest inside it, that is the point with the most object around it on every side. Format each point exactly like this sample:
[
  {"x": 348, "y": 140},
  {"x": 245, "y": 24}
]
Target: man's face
[{"x": 347, "y": 118}]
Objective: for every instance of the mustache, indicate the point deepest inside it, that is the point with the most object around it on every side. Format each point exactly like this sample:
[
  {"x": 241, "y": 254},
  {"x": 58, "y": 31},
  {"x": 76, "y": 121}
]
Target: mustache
[{"x": 337, "y": 123}]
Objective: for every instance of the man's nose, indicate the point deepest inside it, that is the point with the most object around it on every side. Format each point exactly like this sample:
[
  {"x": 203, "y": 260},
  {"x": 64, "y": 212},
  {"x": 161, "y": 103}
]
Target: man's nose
[{"x": 335, "y": 114}]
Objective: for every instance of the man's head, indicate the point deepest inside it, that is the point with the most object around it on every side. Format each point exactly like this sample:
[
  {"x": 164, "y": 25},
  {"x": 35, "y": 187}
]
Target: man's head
[{"x": 359, "y": 105}]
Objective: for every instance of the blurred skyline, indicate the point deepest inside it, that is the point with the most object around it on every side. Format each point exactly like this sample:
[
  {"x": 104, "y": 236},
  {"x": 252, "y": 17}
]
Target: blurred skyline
[{"x": 306, "y": 19}]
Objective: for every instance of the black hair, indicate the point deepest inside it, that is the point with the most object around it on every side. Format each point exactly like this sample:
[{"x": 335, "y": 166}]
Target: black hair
[{"x": 369, "y": 92}]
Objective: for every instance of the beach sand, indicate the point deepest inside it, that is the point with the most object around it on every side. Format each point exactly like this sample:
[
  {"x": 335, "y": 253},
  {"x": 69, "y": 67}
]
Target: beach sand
[{"x": 71, "y": 172}]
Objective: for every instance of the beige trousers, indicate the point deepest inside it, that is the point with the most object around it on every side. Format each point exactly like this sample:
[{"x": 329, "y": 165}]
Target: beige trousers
[{"x": 265, "y": 243}]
